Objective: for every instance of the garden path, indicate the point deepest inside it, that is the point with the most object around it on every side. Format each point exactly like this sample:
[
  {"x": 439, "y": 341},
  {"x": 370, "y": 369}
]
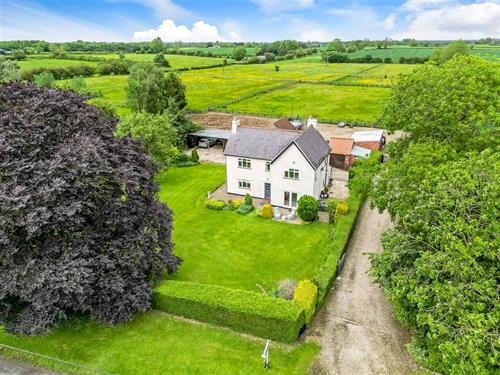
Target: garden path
[{"x": 356, "y": 327}]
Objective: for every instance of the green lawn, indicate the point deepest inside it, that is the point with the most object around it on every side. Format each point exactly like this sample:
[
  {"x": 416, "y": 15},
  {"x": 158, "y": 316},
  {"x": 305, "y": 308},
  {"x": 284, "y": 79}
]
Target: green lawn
[
  {"x": 225, "y": 248},
  {"x": 29, "y": 64},
  {"x": 156, "y": 343},
  {"x": 324, "y": 101}
]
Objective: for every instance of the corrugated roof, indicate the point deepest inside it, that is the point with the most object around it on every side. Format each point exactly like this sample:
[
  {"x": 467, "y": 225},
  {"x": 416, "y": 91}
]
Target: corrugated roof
[
  {"x": 258, "y": 143},
  {"x": 212, "y": 133},
  {"x": 268, "y": 144},
  {"x": 368, "y": 136},
  {"x": 361, "y": 152},
  {"x": 341, "y": 145},
  {"x": 313, "y": 146}
]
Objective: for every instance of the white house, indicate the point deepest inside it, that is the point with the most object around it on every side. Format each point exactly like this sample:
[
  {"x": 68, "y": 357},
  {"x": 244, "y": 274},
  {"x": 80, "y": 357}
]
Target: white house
[{"x": 279, "y": 165}]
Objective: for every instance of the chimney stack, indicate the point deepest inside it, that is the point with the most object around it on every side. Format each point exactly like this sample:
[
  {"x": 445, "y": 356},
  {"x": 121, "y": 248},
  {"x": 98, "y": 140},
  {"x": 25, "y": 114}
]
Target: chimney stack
[
  {"x": 234, "y": 125},
  {"x": 312, "y": 121}
]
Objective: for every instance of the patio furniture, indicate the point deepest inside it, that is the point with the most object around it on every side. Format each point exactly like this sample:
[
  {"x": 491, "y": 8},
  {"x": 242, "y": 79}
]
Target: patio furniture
[
  {"x": 292, "y": 214},
  {"x": 276, "y": 213}
]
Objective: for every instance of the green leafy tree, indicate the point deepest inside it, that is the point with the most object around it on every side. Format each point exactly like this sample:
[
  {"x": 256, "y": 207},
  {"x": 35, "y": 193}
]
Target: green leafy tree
[
  {"x": 239, "y": 53},
  {"x": 157, "y": 45},
  {"x": 180, "y": 122},
  {"x": 155, "y": 131},
  {"x": 79, "y": 85},
  {"x": 175, "y": 89},
  {"x": 336, "y": 45},
  {"x": 456, "y": 103},
  {"x": 458, "y": 47},
  {"x": 146, "y": 89},
  {"x": 18, "y": 54},
  {"x": 160, "y": 60},
  {"x": 9, "y": 71},
  {"x": 45, "y": 79},
  {"x": 308, "y": 208},
  {"x": 195, "y": 158}
]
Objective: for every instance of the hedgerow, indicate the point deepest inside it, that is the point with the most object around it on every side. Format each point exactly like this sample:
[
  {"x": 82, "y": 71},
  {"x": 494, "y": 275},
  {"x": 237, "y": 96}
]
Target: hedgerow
[
  {"x": 240, "y": 310},
  {"x": 305, "y": 295}
]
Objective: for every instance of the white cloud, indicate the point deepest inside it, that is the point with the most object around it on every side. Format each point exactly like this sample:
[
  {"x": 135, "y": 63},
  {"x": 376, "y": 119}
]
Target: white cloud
[
  {"x": 168, "y": 31},
  {"x": 271, "y": 6},
  {"x": 389, "y": 22},
  {"x": 232, "y": 31},
  {"x": 454, "y": 21},
  {"x": 26, "y": 21}
]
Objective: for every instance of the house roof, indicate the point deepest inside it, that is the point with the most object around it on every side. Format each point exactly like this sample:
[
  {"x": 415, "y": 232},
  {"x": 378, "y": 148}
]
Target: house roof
[
  {"x": 268, "y": 144},
  {"x": 368, "y": 136},
  {"x": 361, "y": 152},
  {"x": 285, "y": 123},
  {"x": 341, "y": 145}
]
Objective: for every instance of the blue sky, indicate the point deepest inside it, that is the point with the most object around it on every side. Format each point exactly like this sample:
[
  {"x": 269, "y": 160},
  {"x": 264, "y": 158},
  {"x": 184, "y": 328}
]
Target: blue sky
[{"x": 247, "y": 20}]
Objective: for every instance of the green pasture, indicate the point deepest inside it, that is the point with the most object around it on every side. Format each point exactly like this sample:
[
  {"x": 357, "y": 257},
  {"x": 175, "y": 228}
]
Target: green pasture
[
  {"x": 221, "y": 51},
  {"x": 288, "y": 70},
  {"x": 176, "y": 61},
  {"x": 327, "y": 102},
  {"x": 229, "y": 249},
  {"x": 396, "y": 52},
  {"x": 157, "y": 343},
  {"x": 29, "y": 64}
]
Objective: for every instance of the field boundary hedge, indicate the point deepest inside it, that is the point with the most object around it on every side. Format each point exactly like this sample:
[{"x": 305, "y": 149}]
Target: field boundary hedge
[{"x": 243, "y": 311}]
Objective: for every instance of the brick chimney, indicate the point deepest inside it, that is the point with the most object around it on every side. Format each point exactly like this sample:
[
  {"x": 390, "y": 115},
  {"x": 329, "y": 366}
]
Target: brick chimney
[{"x": 312, "y": 121}]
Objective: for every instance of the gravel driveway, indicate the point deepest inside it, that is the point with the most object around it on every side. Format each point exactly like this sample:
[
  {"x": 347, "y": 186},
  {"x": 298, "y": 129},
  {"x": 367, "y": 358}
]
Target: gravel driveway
[{"x": 356, "y": 328}]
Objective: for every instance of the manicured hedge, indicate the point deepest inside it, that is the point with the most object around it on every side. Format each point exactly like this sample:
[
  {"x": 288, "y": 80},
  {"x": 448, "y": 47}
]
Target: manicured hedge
[
  {"x": 243, "y": 311},
  {"x": 305, "y": 295},
  {"x": 215, "y": 204}
]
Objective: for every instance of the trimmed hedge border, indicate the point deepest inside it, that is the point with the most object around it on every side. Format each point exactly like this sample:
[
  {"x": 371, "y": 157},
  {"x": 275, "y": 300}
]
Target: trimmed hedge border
[{"x": 240, "y": 310}]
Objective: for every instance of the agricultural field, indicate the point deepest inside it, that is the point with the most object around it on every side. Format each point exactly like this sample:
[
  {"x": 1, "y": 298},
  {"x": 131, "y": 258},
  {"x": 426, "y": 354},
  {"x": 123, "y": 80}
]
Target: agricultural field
[
  {"x": 396, "y": 52},
  {"x": 162, "y": 344},
  {"x": 327, "y": 102},
  {"x": 228, "y": 249},
  {"x": 221, "y": 51},
  {"x": 29, "y": 64},
  {"x": 176, "y": 61}
]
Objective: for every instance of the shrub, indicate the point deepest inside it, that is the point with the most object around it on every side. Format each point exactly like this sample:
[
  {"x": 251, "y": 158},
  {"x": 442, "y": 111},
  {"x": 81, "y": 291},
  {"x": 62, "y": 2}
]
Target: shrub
[
  {"x": 194, "y": 156},
  {"x": 243, "y": 311},
  {"x": 235, "y": 204},
  {"x": 308, "y": 208},
  {"x": 342, "y": 208},
  {"x": 248, "y": 200},
  {"x": 331, "y": 205},
  {"x": 286, "y": 289},
  {"x": 215, "y": 204},
  {"x": 244, "y": 209},
  {"x": 267, "y": 211},
  {"x": 305, "y": 295},
  {"x": 258, "y": 211}
]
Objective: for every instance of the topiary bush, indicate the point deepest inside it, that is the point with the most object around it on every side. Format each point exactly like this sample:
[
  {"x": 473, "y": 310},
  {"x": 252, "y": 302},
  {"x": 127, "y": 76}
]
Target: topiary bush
[
  {"x": 215, "y": 204},
  {"x": 234, "y": 204},
  {"x": 267, "y": 211},
  {"x": 194, "y": 156},
  {"x": 248, "y": 200},
  {"x": 305, "y": 295},
  {"x": 308, "y": 208},
  {"x": 286, "y": 289},
  {"x": 244, "y": 209},
  {"x": 241, "y": 310}
]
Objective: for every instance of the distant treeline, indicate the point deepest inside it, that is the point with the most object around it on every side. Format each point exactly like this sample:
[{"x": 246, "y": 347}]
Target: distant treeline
[{"x": 335, "y": 57}]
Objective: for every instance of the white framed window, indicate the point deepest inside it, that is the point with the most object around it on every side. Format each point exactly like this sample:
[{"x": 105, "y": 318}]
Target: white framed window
[
  {"x": 268, "y": 166},
  {"x": 244, "y": 184},
  {"x": 244, "y": 163},
  {"x": 292, "y": 173},
  {"x": 290, "y": 199}
]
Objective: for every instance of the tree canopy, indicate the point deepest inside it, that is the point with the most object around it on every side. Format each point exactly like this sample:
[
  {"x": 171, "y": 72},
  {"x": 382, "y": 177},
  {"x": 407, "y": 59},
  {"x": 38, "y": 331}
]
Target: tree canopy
[
  {"x": 439, "y": 264},
  {"x": 157, "y": 45},
  {"x": 81, "y": 229}
]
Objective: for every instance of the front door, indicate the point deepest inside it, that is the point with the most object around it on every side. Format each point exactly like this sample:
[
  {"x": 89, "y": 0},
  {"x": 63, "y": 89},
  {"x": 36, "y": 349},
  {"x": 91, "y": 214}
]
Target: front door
[{"x": 267, "y": 190}]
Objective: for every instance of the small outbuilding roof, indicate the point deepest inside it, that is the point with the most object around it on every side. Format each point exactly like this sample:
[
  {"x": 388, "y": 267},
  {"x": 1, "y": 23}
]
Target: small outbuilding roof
[
  {"x": 212, "y": 133},
  {"x": 341, "y": 145},
  {"x": 361, "y": 152},
  {"x": 368, "y": 136},
  {"x": 288, "y": 124}
]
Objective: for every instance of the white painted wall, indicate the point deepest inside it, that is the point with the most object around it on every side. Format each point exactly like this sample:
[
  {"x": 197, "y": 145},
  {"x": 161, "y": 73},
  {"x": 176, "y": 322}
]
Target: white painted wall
[{"x": 310, "y": 181}]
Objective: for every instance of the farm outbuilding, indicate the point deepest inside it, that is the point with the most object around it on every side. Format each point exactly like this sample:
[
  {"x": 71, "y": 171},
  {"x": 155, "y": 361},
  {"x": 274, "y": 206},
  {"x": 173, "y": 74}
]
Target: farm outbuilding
[
  {"x": 371, "y": 139},
  {"x": 341, "y": 155},
  {"x": 219, "y": 135},
  {"x": 289, "y": 124}
]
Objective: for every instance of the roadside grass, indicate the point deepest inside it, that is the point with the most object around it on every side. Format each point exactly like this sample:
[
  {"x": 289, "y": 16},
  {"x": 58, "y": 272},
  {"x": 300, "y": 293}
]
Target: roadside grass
[
  {"x": 228, "y": 249},
  {"x": 327, "y": 102},
  {"x": 29, "y": 64},
  {"x": 157, "y": 343}
]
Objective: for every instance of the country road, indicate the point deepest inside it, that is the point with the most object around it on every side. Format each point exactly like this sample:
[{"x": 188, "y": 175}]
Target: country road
[{"x": 356, "y": 328}]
